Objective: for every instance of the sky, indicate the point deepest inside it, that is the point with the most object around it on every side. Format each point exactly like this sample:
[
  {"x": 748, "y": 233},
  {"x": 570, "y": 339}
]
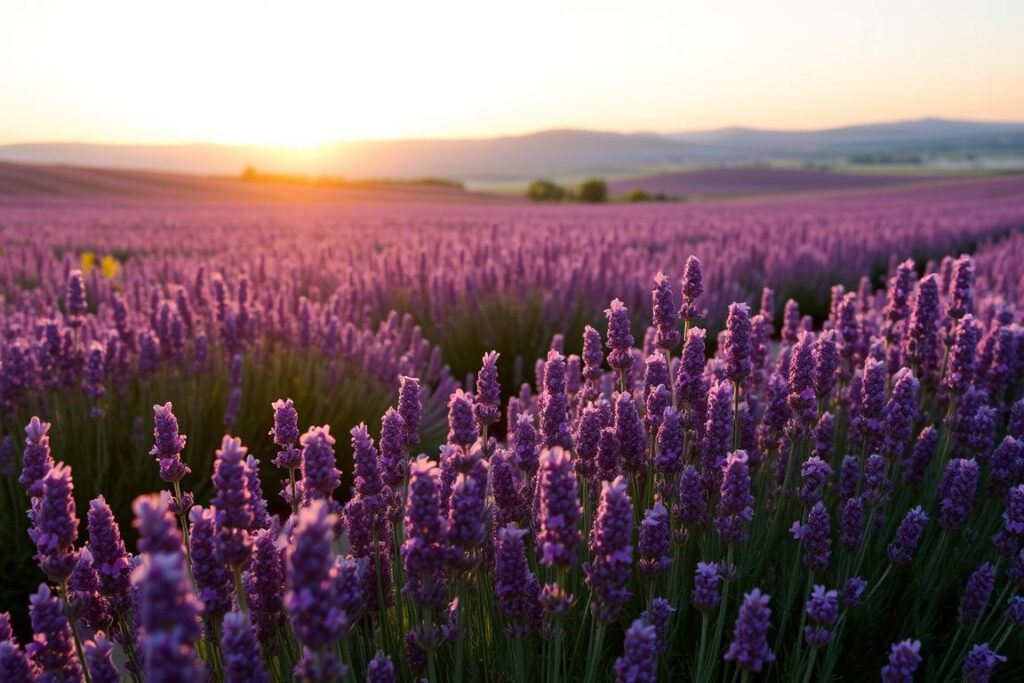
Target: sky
[{"x": 299, "y": 73}]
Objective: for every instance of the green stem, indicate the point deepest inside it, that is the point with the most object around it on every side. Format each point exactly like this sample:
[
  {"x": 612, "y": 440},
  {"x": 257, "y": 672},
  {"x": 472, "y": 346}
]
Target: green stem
[
  {"x": 62, "y": 590},
  {"x": 243, "y": 603}
]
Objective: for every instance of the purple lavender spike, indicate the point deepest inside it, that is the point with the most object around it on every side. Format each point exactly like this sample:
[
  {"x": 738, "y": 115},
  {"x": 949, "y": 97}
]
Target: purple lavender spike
[
  {"x": 749, "y": 648},
  {"x": 904, "y": 658},
  {"x": 487, "y": 407},
  {"x": 639, "y": 661},
  {"x": 666, "y": 320}
]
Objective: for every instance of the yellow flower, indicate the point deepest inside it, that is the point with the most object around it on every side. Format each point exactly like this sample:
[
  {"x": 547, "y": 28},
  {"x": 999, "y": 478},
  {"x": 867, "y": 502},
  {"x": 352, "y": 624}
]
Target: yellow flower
[
  {"x": 88, "y": 262},
  {"x": 109, "y": 267}
]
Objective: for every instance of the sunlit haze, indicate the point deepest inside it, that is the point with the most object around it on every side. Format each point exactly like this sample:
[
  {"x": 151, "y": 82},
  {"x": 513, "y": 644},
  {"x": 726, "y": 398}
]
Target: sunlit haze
[{"x": 300, "y": 73}]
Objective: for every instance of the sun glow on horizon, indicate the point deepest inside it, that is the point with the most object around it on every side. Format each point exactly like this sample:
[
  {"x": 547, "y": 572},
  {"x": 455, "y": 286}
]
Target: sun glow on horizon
[{"x": 301, "y": 74}]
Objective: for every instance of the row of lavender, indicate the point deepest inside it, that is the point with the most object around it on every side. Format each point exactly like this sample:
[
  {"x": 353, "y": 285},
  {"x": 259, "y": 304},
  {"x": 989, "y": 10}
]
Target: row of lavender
[
  {"x": 446, "y": 265},
  {"x": 856, "y": 488}
]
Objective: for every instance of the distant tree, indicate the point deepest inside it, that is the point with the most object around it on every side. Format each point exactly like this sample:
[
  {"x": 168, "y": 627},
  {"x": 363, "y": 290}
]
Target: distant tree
[
  {"x": 638, "y": 195},
  {"x": 593, "y": 191},
  {"x": 545, "y": 191}
]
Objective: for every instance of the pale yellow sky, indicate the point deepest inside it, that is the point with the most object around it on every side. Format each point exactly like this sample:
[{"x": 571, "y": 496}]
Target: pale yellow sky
[{"x": 299, "y": 73}]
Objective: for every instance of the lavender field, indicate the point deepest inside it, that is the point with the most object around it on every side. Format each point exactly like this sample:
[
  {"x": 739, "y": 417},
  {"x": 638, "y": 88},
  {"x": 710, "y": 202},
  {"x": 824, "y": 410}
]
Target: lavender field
[{"x": 780, "y": 440}]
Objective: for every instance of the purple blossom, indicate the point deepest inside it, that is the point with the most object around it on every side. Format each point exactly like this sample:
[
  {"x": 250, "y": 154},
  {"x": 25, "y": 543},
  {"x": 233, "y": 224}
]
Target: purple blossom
[
  {"x": 639, "y": 661},
  {"x": 232, "y": 503},
  {"x": 241, "y": 651},
  {"x": 849, "y": 477},
  {"x": 393, "y": 442},
  {"x": 922, "y": 342},
  {"x": 311, "y": 601},
  {"x": 666, "y": 320},
  {"x": 99, "y": 660},
  {"x": 851, "y": 525},
  {"x": 526, "y": 445},
  {"x": 36, "y": 460},
  {"x": 822, "y": 612},
  {"x": 916, "y": 467},
  {"x": 213, "y": 580},
  {"x": 15, "y": 666},
  {"x": 559, "y": 513},
  {"x": 736, "y": 502},
  {"x": 976, "y": 593},
  {"x": 554, "y": 417},
  {"x": 608, "y": 572},
  {"x": 980, "y": 662},
  {"x": 668, "y": 459},
  {"x": 853, "y": 592},
  {"x": 962, "y": 362},
  {"x": 515, "y": 586},
  {"x": 826, "y": 363},
  {"x": 55, "y": 525},
  {"x": 908, "y": 536},
  {"x": 749, "y": 648},
  {"x": 168, "y": 444},
  {"x": 286, "y": 423},
  {"x": 801, "y": 399},
  {"x": 658, "y": 616},
  {"x": 692, "y": 287},
  {"x": 692, "y": 508},
  {"x": 380, "y": 669},
  {"x": 958, "y": 488},
  {"x": 655, "y": 543},
  {"x": 168, "y": 618},
  {"x": 410, "y": 409},
  {"x": 1007, "y": 465},
  {"x": 425, "y": 549},
  {"x": 899, "y": 414},
  {"x": 717, "y": 432},
  {"x": 815, "y": 474},
  {"x": 487, "y": 406},
  {"x": 877, "y": 486},
  {"x": 904, "y": 658},
  {"x": 158, "y": 530},
  {"x": 586, "y": 439},
  {"x": 467, "y": 516},
  {"x": 705, "y": 595},
  {"x": 815, "y": 537},
  {"x": 824, "y": 433},
  {"x": 110, "y": 557},
  {"x": 737, "y": 343},
  {"x": 264, "y": 583},
  {"x": 620, "y": 339},
  {"x": 462, "y": 426},
  {"x": 53, "y": 648},
  {"x": 592, "y": 355},
  {"x": 319, "y": 475},
  {"x": 630, "y": 433}
]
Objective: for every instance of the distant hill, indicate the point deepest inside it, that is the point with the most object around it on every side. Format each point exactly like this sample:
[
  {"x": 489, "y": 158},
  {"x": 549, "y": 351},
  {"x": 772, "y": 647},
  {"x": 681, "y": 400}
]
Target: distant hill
[{"x": 554, "y": 153}]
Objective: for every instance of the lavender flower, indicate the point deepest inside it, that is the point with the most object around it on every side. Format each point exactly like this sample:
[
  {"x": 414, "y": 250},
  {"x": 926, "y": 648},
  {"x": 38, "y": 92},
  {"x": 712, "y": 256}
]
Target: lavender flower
[
  {"x": 802, "y": 400},
  {"x": 36, "y": 460},
  {"x": 53, "y": 649},
  {"x": 658, "y": 616},
  {"x": 692, "y": 509},
  {"x": 393, "y": 442},
  {"x": 958, "y": 488},
  {"x": 285, "y": 433},
  {"x": 593, "y": 356},
  {"x": 826, "y": 363},
  {"x": 666, "y": 320},
  {"x": 212, "y": 578},
  {"x": 515, "y": 586},
  {"x": 630, "y": 433},
  {"x": 705, "y": 595},
  {"x": 655, "y": 543},
  {"x": 409, "y": 408},
  {"x": 425, "y": 548},
  {"x": 737, "y": 343},
  {"x": 717, "y": 431},
  {"x": 749, "y": 648},
  {"x": 853, "y": 592},
  {"x": 232, "y": 503},
  {"x": 815, "y": 537},
  {"x": 158, "y": 530},
  {"x": 462, "y": 425},
  {"x": 620, "y": 340},
  {"x": 487, "y": 407},
  {"x": 559, "y": 512},
  {"x": 100, "y": 662},
  {"x": 922, "y": 342},
  {"x": 607, "y": 574},
  {"x": 823, "y": 612},
  {"x": 639, "y": 661},
  {"x": 962, "y": 356},
  {"x": 908, "y": 535},
  {"x": 899, "y": 414},
  {"x": 241, "y": 651},
  {"x": 55, "y": 525},
  {"x": 877, "y": 486},
  {"x": 109, "y": 555},
  {"x": 310, "y": 600},
  {"x": 168, "y": 618},
  {"x": 668, "y": 459},
  {"x": 1007, "y": 466},
  {"x": 168, "y": 444},
  {"x": 904, "y": 658},
  {"x": 319, "y": 475},
  {"x": 75, "y": 298},
  {"x": 15, "y": 666},
  {"x": 467, "y": 516},
  {"x": 980, "y": 662},
  {"x": 586, "y": 439},
  {"x": 736, "y": 504},
  {"x": 921, "y": 455},
  {"x": 851, "y": 525},
  {"x": 976, "y": 593},
  {"x": 815, "y": 474},
  {"x": 526, "y": 446},
  {"x": 380, "y": 669},
  {"x": 554, "y": 418},
  {"x": 264, "y": 584},
  {"x": 692, "y": 287}
]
